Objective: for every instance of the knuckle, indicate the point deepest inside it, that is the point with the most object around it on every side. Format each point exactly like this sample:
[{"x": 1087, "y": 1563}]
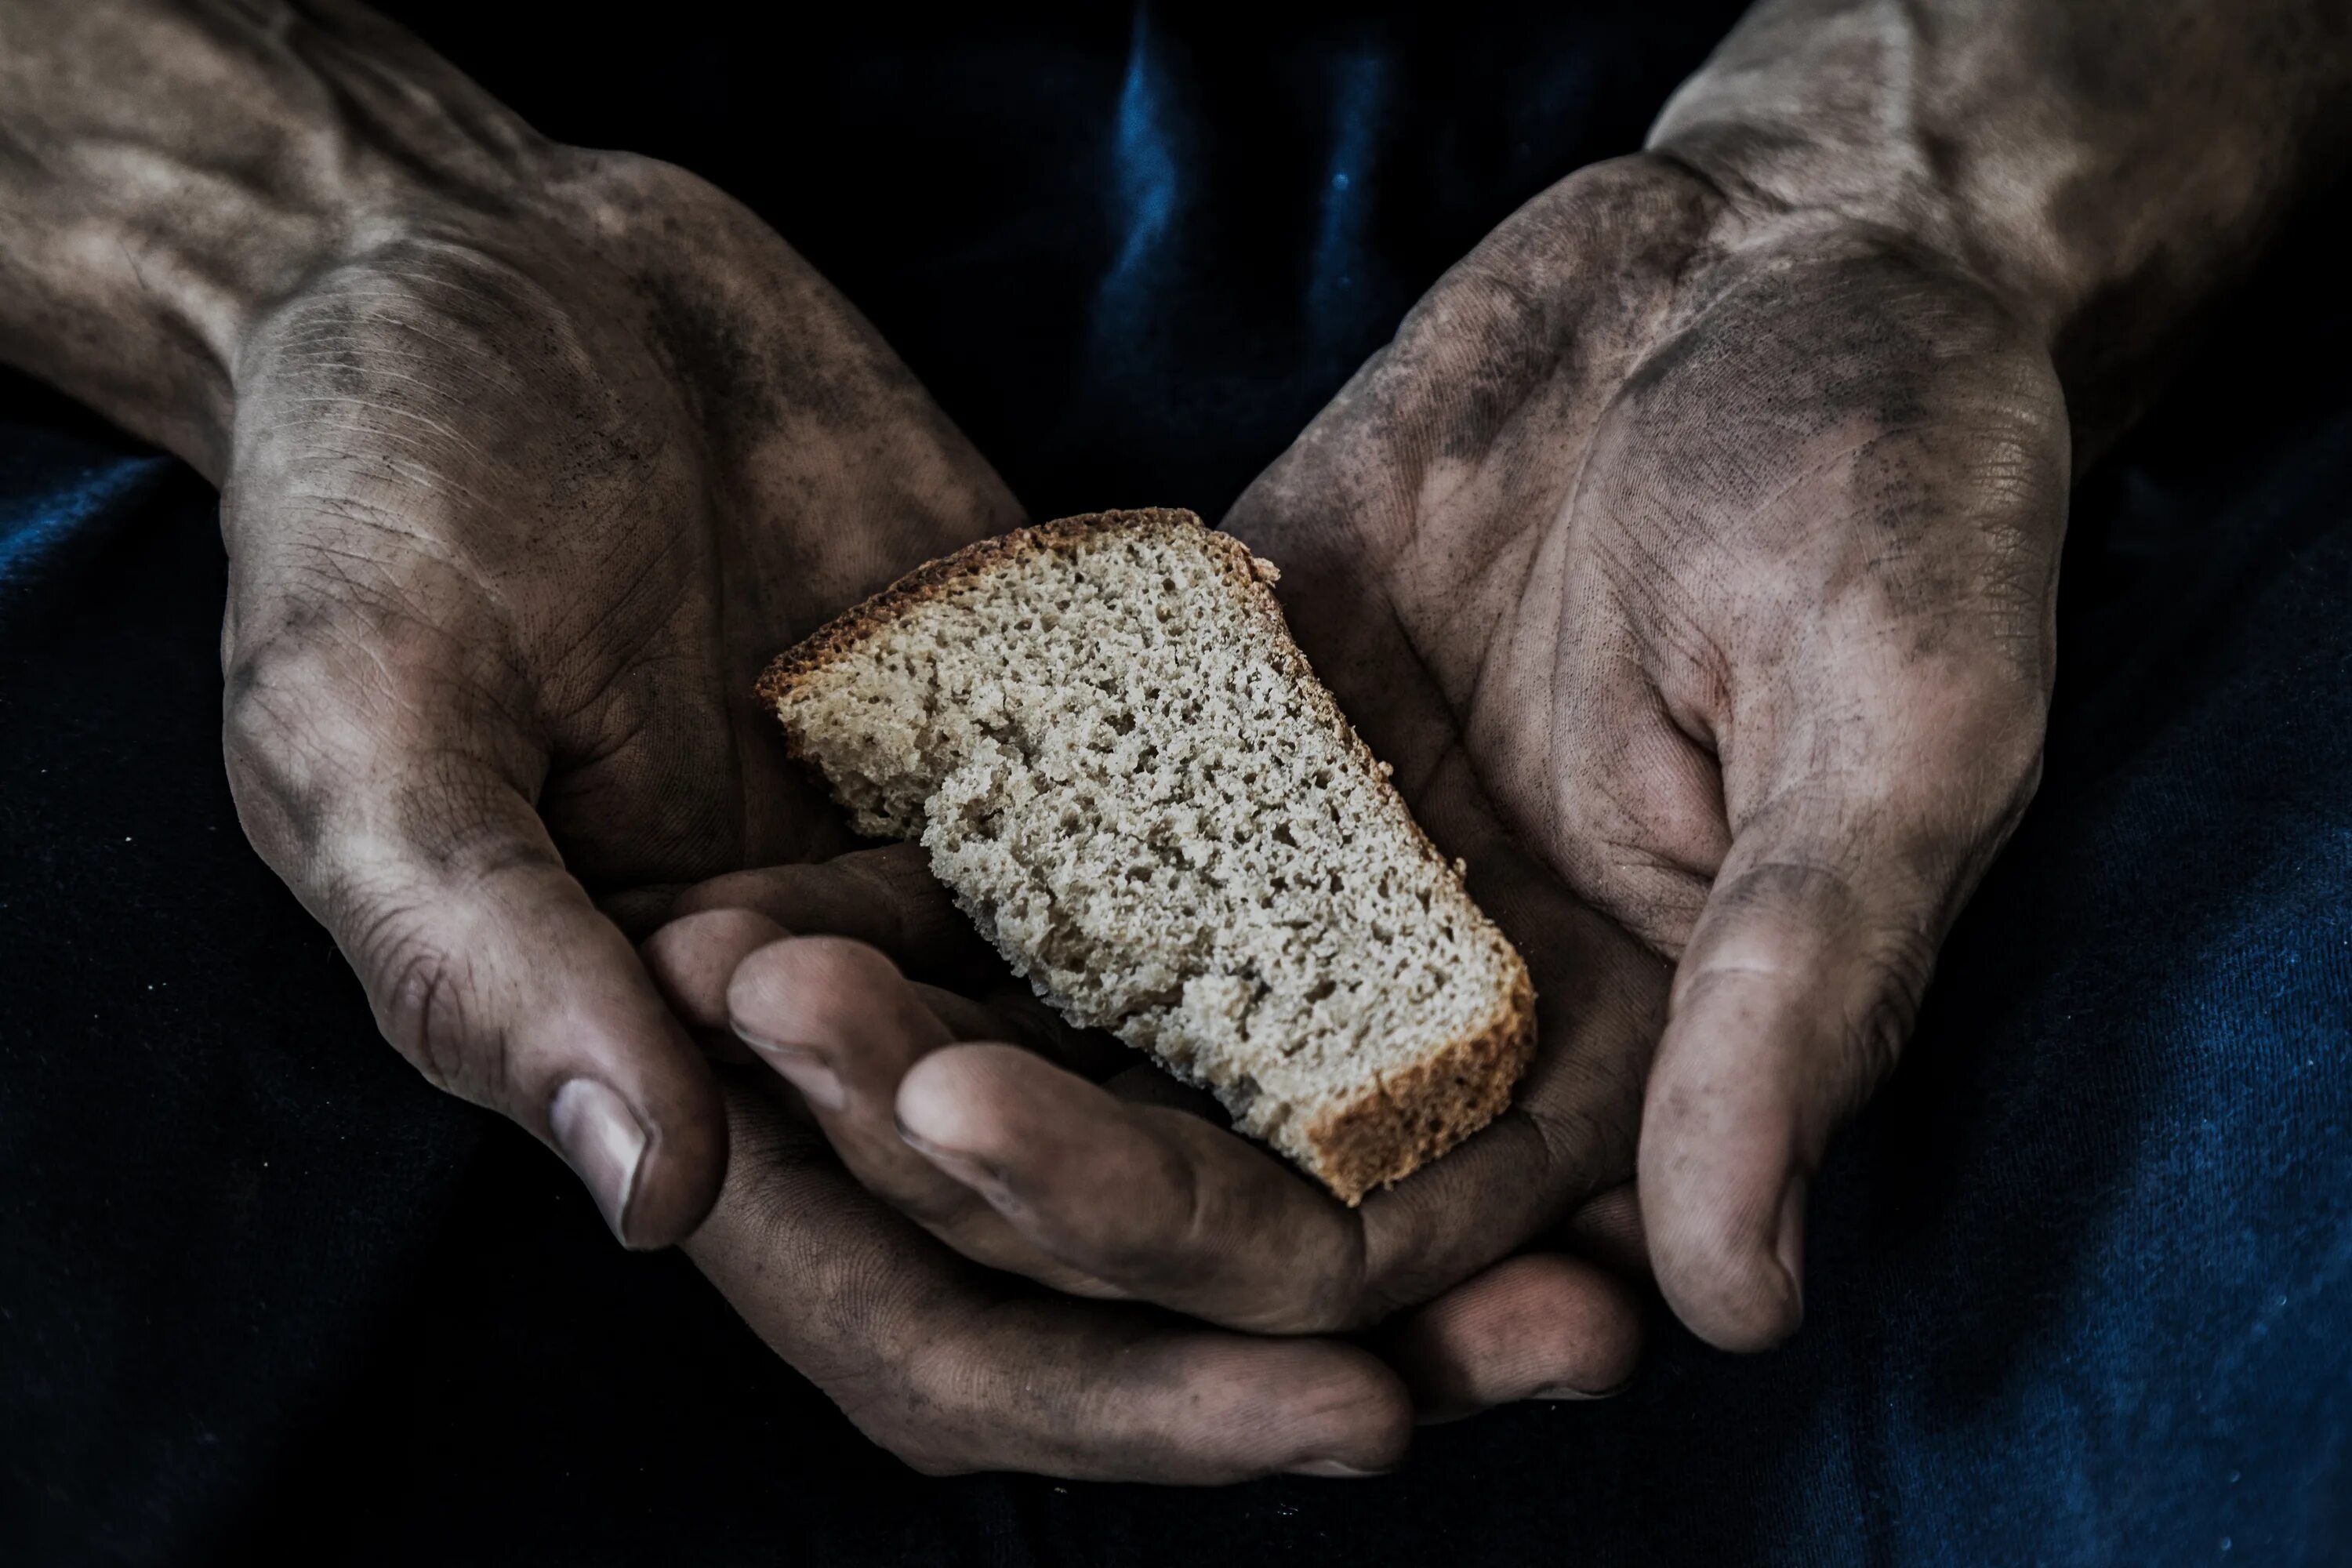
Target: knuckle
[
  {"x": 1177, "y": 1248},
  {"x": 257, "y": 685},
  {"x": 270, "y": 740},
  {"x": 461, "y": 825},
  {"x": 1790, "y": 915},
  {"x": 2017, "y": 776},
  {"x": 424, "y": 991},
  {"x": 1899, "y": 965},
  {"x": 1757, "y": 918},
  {"x": 309, "y": 710},
  {"x": 1577, "y": 1138},
  {"x": 1983, "y": 768},
  {"x": 1343, "y": 1298},
  {"x": 1340, "y": 1295},
  {"x": 617, "y": 188}
]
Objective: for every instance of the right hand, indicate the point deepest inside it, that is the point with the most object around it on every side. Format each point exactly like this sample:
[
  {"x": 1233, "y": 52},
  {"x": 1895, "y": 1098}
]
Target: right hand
[{"x": 523, "y": 487}]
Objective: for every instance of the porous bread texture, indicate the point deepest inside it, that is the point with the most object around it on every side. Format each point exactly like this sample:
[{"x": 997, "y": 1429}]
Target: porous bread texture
[{"x": 1127, "y": 774}]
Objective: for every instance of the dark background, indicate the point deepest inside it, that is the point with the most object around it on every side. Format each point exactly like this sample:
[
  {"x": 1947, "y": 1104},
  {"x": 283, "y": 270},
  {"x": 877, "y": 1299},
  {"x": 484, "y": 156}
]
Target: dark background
[{"x": 2081, "y": 1279}]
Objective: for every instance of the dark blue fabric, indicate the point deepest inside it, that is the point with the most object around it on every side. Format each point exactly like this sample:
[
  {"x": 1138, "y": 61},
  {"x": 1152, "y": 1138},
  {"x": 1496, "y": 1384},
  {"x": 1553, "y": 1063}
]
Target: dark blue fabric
[
  {"x": 2081, "y": 1283},
  {"x": 61, "y": 493}
]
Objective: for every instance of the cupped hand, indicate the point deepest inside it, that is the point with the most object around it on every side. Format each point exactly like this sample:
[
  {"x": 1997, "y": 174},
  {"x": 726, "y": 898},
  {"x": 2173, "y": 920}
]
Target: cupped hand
[
  {"x": 969, "y": 1109},
  {"x": 522, "y": 487},
  {"x": 1721, "y": 540},
  {"x": 1693, "y": 564},
  {"x": 954, "y": 1367}
]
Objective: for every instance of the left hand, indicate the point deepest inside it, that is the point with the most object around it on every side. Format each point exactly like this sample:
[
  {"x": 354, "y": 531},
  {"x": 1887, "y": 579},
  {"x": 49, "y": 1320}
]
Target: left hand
[
  {"x": 1722, "y": 539},
  {"x": 1010, "y": 1152},
  {"x": 955, "y": 1369}
]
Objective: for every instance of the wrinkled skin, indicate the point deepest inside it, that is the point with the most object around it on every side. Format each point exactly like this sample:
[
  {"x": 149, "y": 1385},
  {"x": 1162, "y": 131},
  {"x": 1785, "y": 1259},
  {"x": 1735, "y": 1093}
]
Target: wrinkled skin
[
  {"x": 1690, "y": 565},
  {"x": 966, "y": 1107},
  {"x": 516, "y": 506},
  {"x": 516, "y": 510},
  {"x": 1691, "y": 553},
  {"x": 956, "y": 1368},
  {"x": 1724, "y": 544}
]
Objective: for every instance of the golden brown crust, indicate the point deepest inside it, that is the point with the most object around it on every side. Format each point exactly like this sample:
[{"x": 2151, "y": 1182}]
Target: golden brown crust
[
  {"x": 1398, "y": 1122},
  {"x": 1404, "y": 1120},
  {"x": 936, "y": 579}
]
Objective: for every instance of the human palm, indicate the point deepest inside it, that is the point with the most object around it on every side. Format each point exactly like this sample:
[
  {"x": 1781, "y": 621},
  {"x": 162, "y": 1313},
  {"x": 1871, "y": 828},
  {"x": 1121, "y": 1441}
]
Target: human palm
[
  {"x": 518, "y": 498},
  {"x": 1718, "y": 545}
]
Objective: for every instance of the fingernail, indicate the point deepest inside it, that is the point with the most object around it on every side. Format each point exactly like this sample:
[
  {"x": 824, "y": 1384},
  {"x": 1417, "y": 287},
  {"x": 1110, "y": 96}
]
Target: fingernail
[
  {"x": 1333, "y": 1469},
  {"x": 977, "y": 1174},
  {"x": 1789, "y": 1246},
  {"x": 604, "y": 1143},
  {"x": 1567, "y": 1391},
  {"x": 804, "y": 1069}
]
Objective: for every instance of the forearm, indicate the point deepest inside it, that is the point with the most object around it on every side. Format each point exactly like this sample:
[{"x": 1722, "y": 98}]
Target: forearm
[
  {"x": 2105, "y": 166},
  {"x": 168, "y": 170}
]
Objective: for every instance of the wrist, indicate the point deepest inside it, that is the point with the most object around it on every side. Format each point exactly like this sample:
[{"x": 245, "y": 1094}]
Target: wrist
[
  {"x": 117, "y": 298},
  {"x": 1780, "y": 180},
  {"x": 152, "y": 225},
  {"x": 2104, "y": 168}
]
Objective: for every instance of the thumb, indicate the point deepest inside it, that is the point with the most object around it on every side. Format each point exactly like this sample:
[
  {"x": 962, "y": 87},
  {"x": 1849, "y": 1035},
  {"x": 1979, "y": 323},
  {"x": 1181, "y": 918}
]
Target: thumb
[
  {"x": 1792, "y": 1000},
  {"x": 485, "y": 960}
]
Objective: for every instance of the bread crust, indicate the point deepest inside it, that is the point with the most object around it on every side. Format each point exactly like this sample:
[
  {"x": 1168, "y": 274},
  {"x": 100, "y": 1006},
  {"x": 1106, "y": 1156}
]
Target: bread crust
[
  {"x": 1400, "y": 1120},
  {"x": 1404, "y": 1120},
  {"x": 938, "y": 579}
]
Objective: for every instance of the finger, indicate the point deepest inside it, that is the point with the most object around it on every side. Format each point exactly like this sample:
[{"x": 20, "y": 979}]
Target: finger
[
  {"x": 1010, "y": 1012},
  {"x": 1538, "y": 1326},
  {"x": 837, "y": 1021},
  {"x": 1165, "y": 1206},
  {"x": 1568, "y": 1132},
  {"x": 1791, "y": 1001},
  {"x": 938, "y": 1365},
  {"x": 1607, "y": 1230},
  {"x": 397, "y": 813},
  {"x": 1156, "y": 1202},
  {"x": 691, "y": 961},
  {"x": 886, "y": 898}
]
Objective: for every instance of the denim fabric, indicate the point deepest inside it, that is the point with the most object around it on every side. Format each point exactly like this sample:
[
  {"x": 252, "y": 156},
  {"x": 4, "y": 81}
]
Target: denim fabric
[{"x": 2081, "y": 1279}]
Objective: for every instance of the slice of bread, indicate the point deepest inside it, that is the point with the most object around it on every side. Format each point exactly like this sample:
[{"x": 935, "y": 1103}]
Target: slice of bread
[{"x": 1127, "y": 774}]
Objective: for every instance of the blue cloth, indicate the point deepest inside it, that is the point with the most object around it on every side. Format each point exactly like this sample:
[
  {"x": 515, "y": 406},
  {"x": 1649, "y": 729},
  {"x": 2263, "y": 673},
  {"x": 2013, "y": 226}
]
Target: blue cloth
[
  {"x": 61, "y": 493},
  {"x": 2081, "y": 1279}
]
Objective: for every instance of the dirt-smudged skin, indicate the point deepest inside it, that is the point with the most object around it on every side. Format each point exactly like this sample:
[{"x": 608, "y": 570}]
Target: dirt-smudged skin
[
  {"x": 1704, "y": 522},
  {"x": 1361, "y": 1040},
  {"x": 1691, "y": 549},
  {"x": 529, "y": 453}
]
